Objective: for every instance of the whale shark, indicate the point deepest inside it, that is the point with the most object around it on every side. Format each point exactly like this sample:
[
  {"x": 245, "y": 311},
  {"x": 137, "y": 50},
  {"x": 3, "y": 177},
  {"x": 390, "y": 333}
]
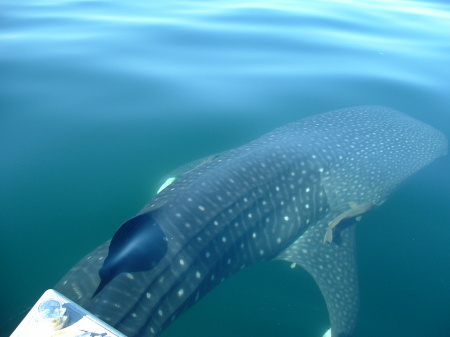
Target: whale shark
[{"x": 294, "y": 194}]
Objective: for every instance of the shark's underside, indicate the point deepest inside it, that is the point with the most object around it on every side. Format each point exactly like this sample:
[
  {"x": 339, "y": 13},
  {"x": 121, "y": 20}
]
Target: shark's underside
[{"x": 294, "y": 194}]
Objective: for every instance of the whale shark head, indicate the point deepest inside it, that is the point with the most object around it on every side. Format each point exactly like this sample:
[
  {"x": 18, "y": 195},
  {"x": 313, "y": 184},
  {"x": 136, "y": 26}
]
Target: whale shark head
[{"x": 294, "y": 194}]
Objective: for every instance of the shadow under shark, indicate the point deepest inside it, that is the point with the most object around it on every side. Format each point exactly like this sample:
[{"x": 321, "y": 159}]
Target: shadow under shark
[{"x": 294, "y": 194}]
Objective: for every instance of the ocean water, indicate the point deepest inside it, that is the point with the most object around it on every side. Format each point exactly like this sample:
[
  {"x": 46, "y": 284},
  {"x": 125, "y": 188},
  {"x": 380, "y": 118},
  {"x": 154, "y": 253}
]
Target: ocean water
[{"x": 100, "y": 99}]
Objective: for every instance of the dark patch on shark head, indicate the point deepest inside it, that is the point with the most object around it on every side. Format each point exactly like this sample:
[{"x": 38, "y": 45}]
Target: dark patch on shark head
[{"x": 138, "y": 245}]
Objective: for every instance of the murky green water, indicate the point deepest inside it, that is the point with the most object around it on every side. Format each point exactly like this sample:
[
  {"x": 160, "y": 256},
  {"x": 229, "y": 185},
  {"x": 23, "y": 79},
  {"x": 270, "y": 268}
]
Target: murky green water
[{"x": 99, "y": 100}]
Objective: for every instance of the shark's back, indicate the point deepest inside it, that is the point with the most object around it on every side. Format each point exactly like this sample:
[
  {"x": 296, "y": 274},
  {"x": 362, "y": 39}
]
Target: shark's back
[{"x": 366, "y": 151}]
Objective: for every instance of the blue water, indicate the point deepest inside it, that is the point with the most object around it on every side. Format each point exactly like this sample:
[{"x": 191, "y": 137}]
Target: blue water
[{"x": 100, "y": 99}]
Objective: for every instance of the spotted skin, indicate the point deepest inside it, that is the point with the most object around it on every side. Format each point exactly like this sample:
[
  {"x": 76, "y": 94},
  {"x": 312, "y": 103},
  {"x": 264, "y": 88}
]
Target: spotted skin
[{"x": 273, "y": 198}]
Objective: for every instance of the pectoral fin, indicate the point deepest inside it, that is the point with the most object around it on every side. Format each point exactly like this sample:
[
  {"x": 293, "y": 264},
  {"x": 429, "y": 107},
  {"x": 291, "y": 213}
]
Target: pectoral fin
[{"x": 333, "y": 267}]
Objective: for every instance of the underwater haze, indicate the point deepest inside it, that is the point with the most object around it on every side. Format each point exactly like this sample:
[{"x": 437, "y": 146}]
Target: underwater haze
[{"x": 99, "y": 100}]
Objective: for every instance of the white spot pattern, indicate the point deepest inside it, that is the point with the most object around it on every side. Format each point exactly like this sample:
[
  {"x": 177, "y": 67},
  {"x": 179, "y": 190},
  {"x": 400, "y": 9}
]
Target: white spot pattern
[{"x": 285, "y": 184}]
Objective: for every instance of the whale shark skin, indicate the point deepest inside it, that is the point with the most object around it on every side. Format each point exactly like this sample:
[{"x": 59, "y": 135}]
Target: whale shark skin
[{"x": 294, "y": 194}]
